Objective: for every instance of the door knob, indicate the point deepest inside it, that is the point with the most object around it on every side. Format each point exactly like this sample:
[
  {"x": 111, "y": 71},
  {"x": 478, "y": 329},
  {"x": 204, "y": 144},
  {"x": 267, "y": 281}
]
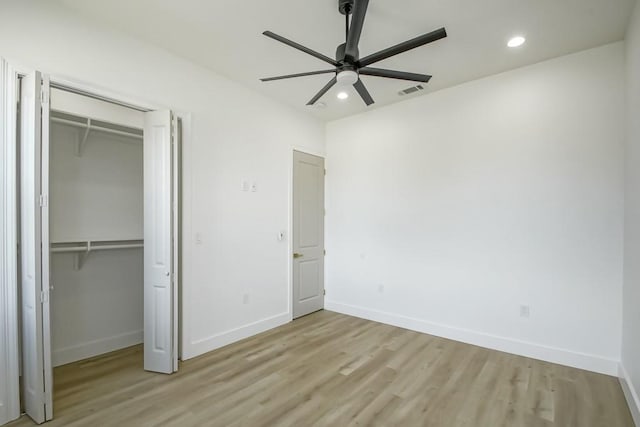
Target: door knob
[{"x": 297, "y": 255}]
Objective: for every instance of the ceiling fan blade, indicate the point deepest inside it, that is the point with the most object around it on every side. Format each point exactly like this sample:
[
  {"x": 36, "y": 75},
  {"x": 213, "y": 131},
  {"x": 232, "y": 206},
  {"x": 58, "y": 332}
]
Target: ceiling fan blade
[
  {"x": 392, "y": 74},
  {"x": 403, "y": 47},
  {"x": 364, "y": 93},
  {"x": 290, "y": 76},
  {"x": 323, "y": 91},
  {"x": 301, "y": 48},
  {"x": 357, "y": 21}
]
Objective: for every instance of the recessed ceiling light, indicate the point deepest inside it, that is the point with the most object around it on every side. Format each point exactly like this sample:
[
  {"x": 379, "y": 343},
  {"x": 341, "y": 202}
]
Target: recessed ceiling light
[
  {"x": 516, "y": 41},
  {"x": 343, "y": 95}
]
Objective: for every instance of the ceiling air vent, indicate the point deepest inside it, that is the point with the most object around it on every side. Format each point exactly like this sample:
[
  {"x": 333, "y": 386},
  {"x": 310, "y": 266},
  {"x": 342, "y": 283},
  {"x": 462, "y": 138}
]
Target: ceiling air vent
[{"x": 410, "y": 90}]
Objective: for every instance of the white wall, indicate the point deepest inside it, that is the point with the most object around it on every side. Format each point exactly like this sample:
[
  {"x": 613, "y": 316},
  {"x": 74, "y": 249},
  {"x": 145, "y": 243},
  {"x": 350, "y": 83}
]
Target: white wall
[
  {"x": 98, "y": 308},
  {"x": 631, "y": 297},
  {"x": 95, "y": 196},
  {"x": 447, "y": 212},
  {"x": 235, "y": 134}
]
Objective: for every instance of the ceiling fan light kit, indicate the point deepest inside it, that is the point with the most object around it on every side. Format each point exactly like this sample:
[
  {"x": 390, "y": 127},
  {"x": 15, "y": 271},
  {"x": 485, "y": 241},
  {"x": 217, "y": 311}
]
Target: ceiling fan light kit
[
  {"x": 347, "y": 77},
  {"x": 348, "y": 66}
]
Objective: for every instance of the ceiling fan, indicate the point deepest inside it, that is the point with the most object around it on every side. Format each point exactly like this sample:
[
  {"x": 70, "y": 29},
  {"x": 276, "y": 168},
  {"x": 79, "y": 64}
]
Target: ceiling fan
[{"x": 348, "y": 64}]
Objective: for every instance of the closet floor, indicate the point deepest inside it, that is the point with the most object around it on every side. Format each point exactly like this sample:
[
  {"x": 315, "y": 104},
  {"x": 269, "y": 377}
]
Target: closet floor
[{"x": 335, "y": 370}]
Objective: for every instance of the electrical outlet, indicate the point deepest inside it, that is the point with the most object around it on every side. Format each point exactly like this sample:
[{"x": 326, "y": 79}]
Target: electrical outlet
[
  {"x": 254, "y": 187},
  {"x": 524, "y": 311},
  {"x": 381, "y": 288},
  {"x": 198, "y": 238},
  {"x": 245, "y": 299}
]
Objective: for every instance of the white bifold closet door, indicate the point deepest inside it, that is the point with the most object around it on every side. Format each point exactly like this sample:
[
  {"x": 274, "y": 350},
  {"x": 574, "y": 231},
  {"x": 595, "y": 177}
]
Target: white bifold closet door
[
  {"x": 160, "y": 266},
  {"x": 34, "y": 232}
]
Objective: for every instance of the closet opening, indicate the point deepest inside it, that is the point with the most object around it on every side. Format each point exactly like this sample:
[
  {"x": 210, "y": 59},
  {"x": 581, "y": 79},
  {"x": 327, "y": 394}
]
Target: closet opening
[
  {"x": 96, "y": 227},
  {"x": 99, "y": 202}
]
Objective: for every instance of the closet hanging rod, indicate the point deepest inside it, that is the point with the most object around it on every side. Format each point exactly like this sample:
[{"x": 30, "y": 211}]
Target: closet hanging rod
[
  {"x": 81, "y": 250},
  {"x": 90, "y": 246},
  {"x": 95, "y": 248},
  {"x": 94, "y": 127}
]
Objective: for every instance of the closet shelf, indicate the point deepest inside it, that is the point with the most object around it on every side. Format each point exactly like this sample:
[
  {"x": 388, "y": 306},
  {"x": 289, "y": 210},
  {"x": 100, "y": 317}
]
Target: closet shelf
[
  {"x": 88, "y": 125},
  {"x": 82, "y": 249}
]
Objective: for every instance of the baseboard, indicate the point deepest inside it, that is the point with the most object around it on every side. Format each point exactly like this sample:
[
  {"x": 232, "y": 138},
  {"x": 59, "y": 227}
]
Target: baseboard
[
  {"x": 88, "y": 349},
  {"x": 205, "y": 345},
  {"x": 560, "y": 356},
  {"x": 630, "y": 393}
]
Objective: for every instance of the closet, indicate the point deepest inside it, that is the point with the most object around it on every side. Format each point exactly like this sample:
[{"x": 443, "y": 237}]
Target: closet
[
  {"x": 96, "y": 220},
  {"x": 99, "y": 231}
]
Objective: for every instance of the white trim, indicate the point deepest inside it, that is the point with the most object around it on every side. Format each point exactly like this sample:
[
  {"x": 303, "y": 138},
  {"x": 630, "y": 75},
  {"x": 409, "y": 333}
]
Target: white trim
[
  {"x": 289, "y": 235},
  {"x": 176, "y": 170},
  {"x": 185, "y": 232},
  {"x": 84, "y": 350},
  {"x": 222, "y": 339},
  {"x": 630, "y": 393},
  {"x": 23, "y": 68},
  {"x": 8, "y": 245},
  {"x": 317, "y": 153},
  {"x": 560, "y": 356},
  {"x": 107, "y": 94}
]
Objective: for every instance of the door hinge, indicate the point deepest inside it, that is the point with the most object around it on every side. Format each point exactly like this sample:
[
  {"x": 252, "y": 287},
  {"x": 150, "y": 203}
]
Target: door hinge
[
  {"x": 324, "y": 251},
  {"x": 43, "y": 201},
  {"x": 325, "y": 172},
  {"x": 44, "y": 97},
  {"x": 44, "y": 297},
  {"x": 324, "y": 292}
]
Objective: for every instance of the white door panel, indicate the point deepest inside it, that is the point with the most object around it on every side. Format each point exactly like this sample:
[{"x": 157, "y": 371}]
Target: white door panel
[
  {"x": 45, "y": 248},
  {"x": 35, "y": 328},
  {"x": 308, "y": 233},
  {"x": 159, "y": 353}
]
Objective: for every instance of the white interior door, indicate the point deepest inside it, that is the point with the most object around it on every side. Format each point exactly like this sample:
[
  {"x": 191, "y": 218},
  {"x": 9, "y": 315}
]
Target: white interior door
[
  {"x": 34, "y": 149},
  {"x": 160, "y": 352},
  {"x": 308, "y": 233}
]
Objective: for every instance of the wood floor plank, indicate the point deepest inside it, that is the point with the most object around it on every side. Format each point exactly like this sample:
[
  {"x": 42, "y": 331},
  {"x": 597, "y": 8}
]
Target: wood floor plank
[{"x": 328, "y": 369}]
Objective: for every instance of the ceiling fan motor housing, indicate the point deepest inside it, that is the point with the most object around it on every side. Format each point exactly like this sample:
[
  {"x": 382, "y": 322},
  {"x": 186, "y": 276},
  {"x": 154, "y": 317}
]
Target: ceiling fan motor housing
[{"x": 341, "y": 54}]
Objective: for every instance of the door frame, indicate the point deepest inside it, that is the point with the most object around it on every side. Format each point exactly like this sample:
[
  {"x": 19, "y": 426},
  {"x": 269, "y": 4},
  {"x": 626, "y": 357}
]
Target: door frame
[
  {"x": 323, "y": 155},
  {"x": 9, "y": 334},
  {"x": 9, "y": 322}
]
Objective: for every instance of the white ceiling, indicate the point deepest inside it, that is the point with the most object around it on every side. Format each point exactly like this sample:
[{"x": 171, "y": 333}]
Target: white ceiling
[{"x": 225, "y": 36}]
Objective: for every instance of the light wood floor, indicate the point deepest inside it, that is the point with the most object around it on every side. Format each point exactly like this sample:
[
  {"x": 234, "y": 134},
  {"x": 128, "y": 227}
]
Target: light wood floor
[{"x": 328, "y": 369}]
